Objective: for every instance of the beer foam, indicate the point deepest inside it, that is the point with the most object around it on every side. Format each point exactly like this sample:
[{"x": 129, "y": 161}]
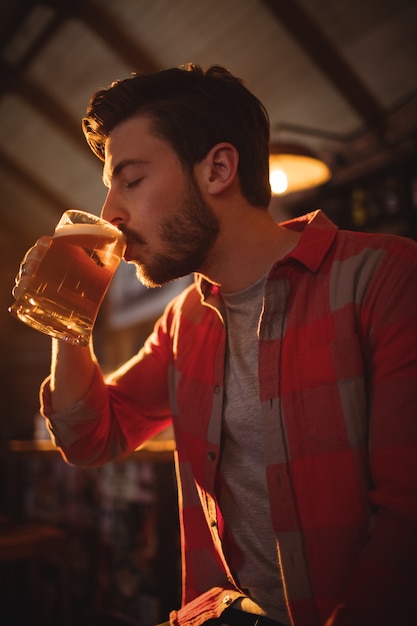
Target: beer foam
[{"x": 92, "y": 230}]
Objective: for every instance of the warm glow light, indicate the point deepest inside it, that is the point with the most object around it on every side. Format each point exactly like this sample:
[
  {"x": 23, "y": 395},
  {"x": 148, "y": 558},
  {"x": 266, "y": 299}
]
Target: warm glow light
[
  {"x": 278, "y": 180},
  {"x": 296, "y": 171}
]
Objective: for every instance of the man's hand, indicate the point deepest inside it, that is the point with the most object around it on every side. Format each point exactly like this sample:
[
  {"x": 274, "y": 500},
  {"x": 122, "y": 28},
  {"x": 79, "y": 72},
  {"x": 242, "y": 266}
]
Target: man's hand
[{"x": 30, "y": 264}]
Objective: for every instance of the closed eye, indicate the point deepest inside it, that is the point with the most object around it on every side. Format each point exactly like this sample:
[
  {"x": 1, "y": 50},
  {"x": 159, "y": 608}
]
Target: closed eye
[{"x": 133, "y": 183}]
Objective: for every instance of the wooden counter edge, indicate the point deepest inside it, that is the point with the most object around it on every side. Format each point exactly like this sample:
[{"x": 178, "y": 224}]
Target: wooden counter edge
[{"x": 153, "y": 450}]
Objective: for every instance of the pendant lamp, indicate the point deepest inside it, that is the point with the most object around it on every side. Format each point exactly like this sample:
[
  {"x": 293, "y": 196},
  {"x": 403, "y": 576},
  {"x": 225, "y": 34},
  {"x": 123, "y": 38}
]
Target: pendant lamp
[{"x": 295, "y": 168}]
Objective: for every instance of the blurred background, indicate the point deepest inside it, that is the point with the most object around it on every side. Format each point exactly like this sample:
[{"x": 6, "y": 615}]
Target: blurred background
[{"x": 339, "y": 80}]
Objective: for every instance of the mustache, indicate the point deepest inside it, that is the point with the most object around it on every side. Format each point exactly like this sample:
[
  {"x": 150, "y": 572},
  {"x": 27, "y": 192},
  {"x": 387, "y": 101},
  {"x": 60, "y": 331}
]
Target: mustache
[{"x": 131, "y": 235}]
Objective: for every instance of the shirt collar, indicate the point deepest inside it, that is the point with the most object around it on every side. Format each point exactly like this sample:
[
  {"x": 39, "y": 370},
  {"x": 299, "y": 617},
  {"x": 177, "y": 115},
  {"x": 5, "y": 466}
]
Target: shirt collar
[{"x": 318, "y": 234}]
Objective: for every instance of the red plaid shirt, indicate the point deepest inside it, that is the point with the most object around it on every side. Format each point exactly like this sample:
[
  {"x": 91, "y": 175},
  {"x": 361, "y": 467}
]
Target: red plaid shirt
[{"x": 338, "y": 389}]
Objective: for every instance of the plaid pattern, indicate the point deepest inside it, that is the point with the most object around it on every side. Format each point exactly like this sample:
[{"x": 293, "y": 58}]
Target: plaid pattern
[{"x": 338, "y": 387}]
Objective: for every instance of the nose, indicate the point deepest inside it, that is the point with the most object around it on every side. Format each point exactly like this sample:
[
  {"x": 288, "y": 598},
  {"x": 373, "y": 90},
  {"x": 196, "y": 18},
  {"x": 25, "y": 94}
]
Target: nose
[{"x": 112, "y": 211}]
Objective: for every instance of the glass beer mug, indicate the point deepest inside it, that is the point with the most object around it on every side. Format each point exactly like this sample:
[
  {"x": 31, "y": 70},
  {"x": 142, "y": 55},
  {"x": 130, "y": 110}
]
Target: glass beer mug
[{"x": 63, "y": 295}]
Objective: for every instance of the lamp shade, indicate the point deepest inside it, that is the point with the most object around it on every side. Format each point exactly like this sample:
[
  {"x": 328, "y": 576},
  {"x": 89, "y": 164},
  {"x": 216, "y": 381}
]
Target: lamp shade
[{"x": 294, "y": 168}]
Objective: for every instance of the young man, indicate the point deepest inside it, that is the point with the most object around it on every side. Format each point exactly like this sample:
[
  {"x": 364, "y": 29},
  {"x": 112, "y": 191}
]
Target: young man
[{"x": 288, "y": 369}]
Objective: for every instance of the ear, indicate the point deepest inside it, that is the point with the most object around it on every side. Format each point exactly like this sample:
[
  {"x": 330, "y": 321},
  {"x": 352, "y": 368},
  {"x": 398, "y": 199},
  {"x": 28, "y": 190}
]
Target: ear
[{"x": 220, "y": 168}]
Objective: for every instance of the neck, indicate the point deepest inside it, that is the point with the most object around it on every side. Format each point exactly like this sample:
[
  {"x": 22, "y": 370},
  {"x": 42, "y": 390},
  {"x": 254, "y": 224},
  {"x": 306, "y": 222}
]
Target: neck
[{"x": 246, "y": 251}]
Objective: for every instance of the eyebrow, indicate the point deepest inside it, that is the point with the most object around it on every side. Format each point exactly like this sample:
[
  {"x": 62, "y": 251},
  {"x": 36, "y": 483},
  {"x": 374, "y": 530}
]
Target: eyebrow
[{"x": 118, "y": 169}]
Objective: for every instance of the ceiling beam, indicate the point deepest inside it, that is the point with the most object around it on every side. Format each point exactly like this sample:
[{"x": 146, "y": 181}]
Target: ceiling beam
[
  {"x": 49, "y": 108},
  {"x": 29, "y": 212},
  {"x": 52, "y": 111},
  {"x": 35, "y": 186},
  {"x": 327, "y": 58},
  {"x": 105, "y": 26},
  {"x": 10, "y": 77},
  {"x": 12, "y": 16},
  {"x": 15, "y": 79}
]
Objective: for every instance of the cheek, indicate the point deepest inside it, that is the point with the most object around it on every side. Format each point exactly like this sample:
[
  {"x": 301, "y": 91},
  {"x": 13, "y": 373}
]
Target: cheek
[
  {"x": 153, "y": 202},
  {"x": 163, "y": 204}
]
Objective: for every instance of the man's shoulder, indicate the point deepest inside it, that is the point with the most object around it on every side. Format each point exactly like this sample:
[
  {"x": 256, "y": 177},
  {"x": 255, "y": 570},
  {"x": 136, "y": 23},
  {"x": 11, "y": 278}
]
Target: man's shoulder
[
  {"x": 396, "y": 245},
  {"x": 188, "y": 302}
]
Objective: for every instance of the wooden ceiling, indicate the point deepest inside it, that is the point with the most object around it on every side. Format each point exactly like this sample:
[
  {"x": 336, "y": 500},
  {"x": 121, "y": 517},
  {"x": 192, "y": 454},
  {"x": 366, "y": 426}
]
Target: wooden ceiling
[{"x": 339, "y": 77}]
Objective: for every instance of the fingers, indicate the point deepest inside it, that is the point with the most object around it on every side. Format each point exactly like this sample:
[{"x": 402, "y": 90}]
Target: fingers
[{"x": 30, "y": 264}]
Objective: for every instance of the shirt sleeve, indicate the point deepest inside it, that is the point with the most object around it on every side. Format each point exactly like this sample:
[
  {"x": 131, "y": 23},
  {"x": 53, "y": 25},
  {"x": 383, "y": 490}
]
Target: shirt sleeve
[{"x": 118, "y": 413}]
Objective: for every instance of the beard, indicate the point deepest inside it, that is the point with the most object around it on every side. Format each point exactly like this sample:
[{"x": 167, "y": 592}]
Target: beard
[{"x": 188, "y": 234}]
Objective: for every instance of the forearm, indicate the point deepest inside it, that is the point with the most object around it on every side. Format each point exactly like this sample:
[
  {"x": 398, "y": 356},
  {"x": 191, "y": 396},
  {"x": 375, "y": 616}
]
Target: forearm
[
  {"x": 95, "y": 419},
  {"x": 74, "y": 400},
  {"x": 72, "y": 372}
]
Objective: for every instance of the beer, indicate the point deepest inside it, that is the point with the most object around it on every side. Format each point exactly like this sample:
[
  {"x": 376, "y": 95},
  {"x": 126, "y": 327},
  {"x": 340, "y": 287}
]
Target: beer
[{"x": 64, "y": 296}]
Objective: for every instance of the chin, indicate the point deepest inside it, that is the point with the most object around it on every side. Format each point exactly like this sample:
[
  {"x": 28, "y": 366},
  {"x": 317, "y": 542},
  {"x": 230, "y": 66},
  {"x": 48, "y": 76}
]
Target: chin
[{"x": 146, "y": 280}]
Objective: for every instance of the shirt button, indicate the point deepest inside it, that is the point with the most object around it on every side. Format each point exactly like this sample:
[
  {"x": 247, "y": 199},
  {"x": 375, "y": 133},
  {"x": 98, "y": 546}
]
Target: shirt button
[
  {"x": 217, "y": 389},
  {"x": 211, "y": 456},
  {"x": 227, "y": 600}
]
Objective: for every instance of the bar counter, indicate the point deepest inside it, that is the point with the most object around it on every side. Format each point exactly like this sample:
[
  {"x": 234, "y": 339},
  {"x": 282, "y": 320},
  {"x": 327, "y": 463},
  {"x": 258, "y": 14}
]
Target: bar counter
[
  {"x": 120, "y": 526},
  {"x": 155, "y": 450}
]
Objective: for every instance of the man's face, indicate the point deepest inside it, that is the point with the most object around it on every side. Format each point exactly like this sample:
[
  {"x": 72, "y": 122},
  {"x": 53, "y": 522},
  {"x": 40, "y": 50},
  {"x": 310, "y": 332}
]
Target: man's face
[{"x": 170, "y": 228}]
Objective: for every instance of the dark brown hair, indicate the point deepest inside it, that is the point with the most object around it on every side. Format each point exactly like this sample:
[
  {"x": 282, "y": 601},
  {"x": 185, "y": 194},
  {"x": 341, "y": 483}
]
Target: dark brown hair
[{"x": 193, "y": 109}]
